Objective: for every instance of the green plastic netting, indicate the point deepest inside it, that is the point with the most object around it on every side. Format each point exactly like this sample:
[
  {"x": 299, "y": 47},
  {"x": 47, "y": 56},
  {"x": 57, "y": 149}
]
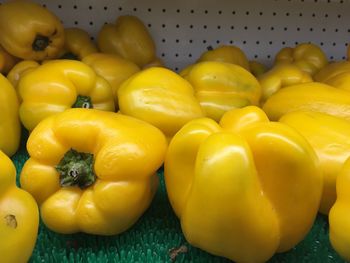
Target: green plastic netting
[{"x": 153, "y": 237}]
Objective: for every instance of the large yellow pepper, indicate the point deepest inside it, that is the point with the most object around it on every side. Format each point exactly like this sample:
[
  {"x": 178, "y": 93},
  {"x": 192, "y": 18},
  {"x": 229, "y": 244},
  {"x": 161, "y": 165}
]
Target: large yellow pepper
[
  {"x": 19, "y": 70},
  {"x": 10, "y": 127},
  {"x": 281, "y": 76},
  {"x": 330, "y": 138},
  {"x": 92, "y": 171},
  {"x": 228, "y": 54},
  {"x": 7, "y": 61},
  {"x": 335, "y": 74},
  {"x": 112, "y": 68},
  {"x": 19, "y": 217},
  {"x": 160, "y": 97},
  {"x": 339, "y": 216},
  {"x": 243, "y": 190},
  {"x": 77, "y": 43},
  {"x": 308, "y": 57},
  {"x": 313, "y": 96},
  {"x": 129, "y": 38},
  {"x": 30, "y": 31},
  {"x": 58, "y": 85},
  {"x": 220, "y": 87}
]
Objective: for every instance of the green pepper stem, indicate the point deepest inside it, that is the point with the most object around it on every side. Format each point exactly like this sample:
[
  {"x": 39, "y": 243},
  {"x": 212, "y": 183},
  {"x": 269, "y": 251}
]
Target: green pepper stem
[
  {"x": 40, "y": 43},
  {"x": 76, "y": 168},
  {"x": 83, "y": 102}
]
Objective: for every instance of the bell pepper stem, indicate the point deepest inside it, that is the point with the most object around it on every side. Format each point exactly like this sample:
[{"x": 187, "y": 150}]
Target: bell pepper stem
[
  {"x": 40, "y": 43},
  {"x": 76, "y": 168},
  {"x": 83, "y": 102}
]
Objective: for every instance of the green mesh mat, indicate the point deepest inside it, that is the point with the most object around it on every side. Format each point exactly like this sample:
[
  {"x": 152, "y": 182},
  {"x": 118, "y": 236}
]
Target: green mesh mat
[{"x": 153, "y": 237}]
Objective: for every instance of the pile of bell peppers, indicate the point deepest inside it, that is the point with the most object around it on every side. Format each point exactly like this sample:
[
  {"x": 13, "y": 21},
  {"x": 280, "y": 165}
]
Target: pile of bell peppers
[{"x": 251, "y": 153}]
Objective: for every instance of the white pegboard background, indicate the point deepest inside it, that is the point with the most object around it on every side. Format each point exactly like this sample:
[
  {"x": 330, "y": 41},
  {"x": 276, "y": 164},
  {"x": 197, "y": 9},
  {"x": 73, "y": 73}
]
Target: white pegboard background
[{"x": 183, "y": 29}]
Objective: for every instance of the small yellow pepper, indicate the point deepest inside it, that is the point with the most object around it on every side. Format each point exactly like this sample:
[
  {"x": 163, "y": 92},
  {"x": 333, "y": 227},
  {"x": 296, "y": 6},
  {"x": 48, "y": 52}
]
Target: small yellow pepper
[
  {"x": 77, "y": 43},
  {"x": 228, "y": 54},
  {"x": 19, "y": 217},
  {"x": 308, "y": 57},
  {"x": 58, "y": 85},
  {"x": 10, "y": 127},
  {"x": 335, "y": 74},
  {"x": 30, "y": 31},
  {"x": 313, "y": 96},
  {"x": 257, "y": 68},
  {"x": 92, "y": 171},
  {"x": 7, "y": 61},
  {"x": 235, "y": 195},
  {"x": 129, "y": 38},
  {"x": 220, "y": 87},
  {"x": 330, "y": 138},
  {"x": 19, "y": 70},
  {"x": 160, "y": 97},
  {"x": 112, "y": 68},
  {"x": 281, "y": 76}
]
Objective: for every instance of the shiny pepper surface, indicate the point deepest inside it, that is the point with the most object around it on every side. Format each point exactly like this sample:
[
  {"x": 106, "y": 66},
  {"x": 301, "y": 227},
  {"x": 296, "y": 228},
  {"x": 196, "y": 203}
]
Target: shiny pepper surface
[
  {"x": 308, "y": 57},
  {"x": 19, "y": 70},
  {"x": 30, "y": 31},
  {"x": 129, "y": 38},
  {"x": 245, "y": 189},
  {"x": 281, "y": 76},
  {"x": 330, "y": 138},
  {"x": 92, "y": 171},
  {"x": 160, "y": 97},
  {"x": 19, "y": 217},
  {"x": 339, "y": 216},
  {"x": 220, "y": 87},
  {"x": 59, "y": 85},
  {"x": 336, "y": 74},
  {"x": 10, "y": 127}
]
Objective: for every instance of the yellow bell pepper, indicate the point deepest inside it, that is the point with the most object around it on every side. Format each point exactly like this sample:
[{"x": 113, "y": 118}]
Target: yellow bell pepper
[
  {"x": 58, "y": 85},
  {"x": 335, "y": 74},
  {"x": 313, "y": 96},
  {"x": 19, "y": 70},
  {"x": 160, "y": 97},
  {"x": 10, "y": 127},
  {"x": 308, "y": 57},
  {"x": 19, "y": 217},
  {"x": 220, "y": 87},
  {"x": 157, "y": 62},
  {"x": 30, "y": 31},
  {"x": 235, "y": 195},
  {"x": 228, "y": 54},
  {"x": 339, "y": 216},
  {"x": 77, "y": 43},
  {"x": 129, "y": 38},
  {"x": 7, "y": 61},
  {"x": 281, "y": 76},
  {"x": 112, "y": 68},
  {"x": 330, "y": 138},
  {"x": 92, "y": 171},
  {"x": 257, "y": 68}
]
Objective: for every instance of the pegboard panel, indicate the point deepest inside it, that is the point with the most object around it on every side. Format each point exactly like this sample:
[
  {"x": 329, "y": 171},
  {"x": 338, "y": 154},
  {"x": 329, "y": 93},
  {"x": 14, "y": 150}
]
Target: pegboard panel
[{"x": 183, "y": 29}]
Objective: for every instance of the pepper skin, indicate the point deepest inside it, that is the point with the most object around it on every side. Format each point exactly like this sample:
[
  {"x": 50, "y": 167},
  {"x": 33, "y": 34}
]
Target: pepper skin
[
  {"x": 58, "y": 85},
  {"x": 92, "y": 171},
  {"x": 336, "y": 74},
  {"x": 10, "y": 127},
  {"x": 235, "y": 195},
  {"x": 330, "y": 138},
  {"x": 228, "y": 54},
  {"x": 157, "y": 62},
  {"x": 78, "y": 43},
  {"x": 30, "y": 31},
  {"x": 19, "y": 70},
  {"x": 19, "y": 217},
  {"x": 220, "y": 87},
  {"x": 339, "y": 216},
  {"x": 257, "y": 68},
  {"x": 112, "y": 68},
  {"x": 281, "y": 76},
  {"x": 160, "y": 97},
  {"x": 308, "y": 57},
  {"x": 313, "y": 96},
  {"x": 129, "y": 38},
  {"x": 7, "y": 61}
]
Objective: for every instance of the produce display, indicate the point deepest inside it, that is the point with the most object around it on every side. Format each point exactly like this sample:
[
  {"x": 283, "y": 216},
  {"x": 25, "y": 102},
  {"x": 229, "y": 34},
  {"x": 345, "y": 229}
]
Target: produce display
[{"x": 249, "y": 159}]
